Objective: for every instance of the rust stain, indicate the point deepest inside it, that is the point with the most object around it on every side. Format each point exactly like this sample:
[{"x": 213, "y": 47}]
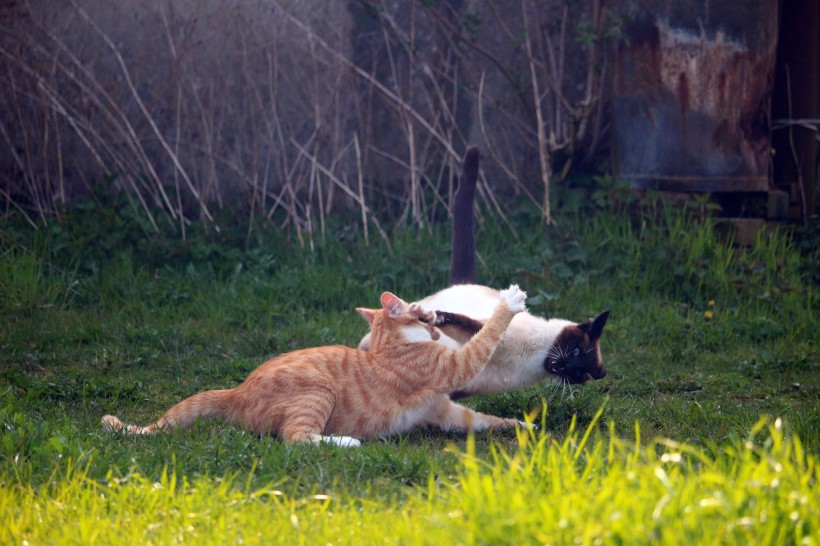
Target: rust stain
[
  {"x": 712, "y": 92},
  {"x": 637, "y": 65},
  {"x": 721, "y": 90},
  {"x": 683, "y": 99}
]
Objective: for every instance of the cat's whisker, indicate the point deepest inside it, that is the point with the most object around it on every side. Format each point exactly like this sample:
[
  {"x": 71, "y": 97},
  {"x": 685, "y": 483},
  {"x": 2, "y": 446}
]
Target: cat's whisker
[{"x": 553, "y": 389}]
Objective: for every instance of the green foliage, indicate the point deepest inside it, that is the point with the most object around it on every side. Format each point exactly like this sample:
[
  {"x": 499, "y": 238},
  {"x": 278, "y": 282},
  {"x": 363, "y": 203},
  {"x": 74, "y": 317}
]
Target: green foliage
[
  {"x": 26, "y": 283},
  {"x": 704, "y": 338}
]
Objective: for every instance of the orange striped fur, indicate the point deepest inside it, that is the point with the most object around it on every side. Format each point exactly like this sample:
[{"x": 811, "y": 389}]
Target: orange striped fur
[{"x": 339, "y": 394}]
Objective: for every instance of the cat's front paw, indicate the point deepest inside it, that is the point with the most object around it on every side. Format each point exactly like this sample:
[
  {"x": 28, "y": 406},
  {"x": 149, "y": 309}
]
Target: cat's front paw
[
  {"x": 419, "y": 312},
  {"x": 515, "y": 298}
]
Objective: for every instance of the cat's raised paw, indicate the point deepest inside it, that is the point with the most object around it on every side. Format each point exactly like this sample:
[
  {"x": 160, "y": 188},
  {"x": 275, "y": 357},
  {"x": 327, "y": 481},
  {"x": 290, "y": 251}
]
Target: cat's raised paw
[
  {"x": 515, "y": 298},
  {"x": 419, "y": 312}
]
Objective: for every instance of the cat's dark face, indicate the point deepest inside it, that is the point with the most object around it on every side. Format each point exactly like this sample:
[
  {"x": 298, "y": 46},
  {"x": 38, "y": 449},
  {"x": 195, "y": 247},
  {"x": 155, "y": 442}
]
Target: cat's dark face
[{"x": 576, "y": 357}]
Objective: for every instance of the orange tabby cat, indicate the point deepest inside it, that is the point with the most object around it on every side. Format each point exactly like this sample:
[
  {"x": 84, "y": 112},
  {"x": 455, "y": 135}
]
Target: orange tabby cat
[{"x": 338, "y": 394}]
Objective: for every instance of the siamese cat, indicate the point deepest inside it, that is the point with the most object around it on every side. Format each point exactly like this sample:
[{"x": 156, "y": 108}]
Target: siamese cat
[{"x": 533, "y": 349}]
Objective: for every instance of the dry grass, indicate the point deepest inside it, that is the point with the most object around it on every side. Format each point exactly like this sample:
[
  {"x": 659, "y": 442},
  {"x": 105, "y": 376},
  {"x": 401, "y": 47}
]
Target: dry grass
[{"x": 275, "y": 106}]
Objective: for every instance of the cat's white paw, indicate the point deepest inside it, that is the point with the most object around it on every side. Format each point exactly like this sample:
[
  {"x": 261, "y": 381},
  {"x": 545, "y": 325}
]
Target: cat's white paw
[
  {"x": 342, "y": 441},
  {"x": 517, "y": 423},
  {"x": 515, "y": 298},
  {"x": 419, "y": 312}
]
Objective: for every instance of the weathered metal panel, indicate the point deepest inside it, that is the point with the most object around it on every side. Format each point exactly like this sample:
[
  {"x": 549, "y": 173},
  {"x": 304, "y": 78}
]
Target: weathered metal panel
[{"x": 691, "y": 93}]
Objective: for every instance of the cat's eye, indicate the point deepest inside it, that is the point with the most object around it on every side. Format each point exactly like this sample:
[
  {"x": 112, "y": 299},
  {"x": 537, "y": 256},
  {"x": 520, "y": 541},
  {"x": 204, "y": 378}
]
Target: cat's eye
[{"x": 576, "y": 352}]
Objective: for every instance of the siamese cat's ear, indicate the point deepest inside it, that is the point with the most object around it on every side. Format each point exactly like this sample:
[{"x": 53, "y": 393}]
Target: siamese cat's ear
[
  {"x": 595, "y": 327},
  {"x": 392, "y": 304},
  {"x": 368, "y": 314}
]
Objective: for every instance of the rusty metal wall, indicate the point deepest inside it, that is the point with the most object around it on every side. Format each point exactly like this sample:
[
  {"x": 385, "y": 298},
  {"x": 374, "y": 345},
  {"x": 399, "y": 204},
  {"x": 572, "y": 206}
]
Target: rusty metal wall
[{"x": 692, "y": 87}]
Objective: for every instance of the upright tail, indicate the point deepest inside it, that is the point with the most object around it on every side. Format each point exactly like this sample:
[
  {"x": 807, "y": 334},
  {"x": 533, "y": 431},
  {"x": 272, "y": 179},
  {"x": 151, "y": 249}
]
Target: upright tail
[
  {"x": 182, "y": 415},
  {"x": 462, "y": 260}
]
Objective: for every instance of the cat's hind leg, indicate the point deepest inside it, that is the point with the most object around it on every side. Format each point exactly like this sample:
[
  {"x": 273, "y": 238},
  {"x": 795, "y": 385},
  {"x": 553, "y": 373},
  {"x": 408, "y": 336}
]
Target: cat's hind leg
[
  {"x": 306, "y": 422},
  {"x": 450, "y": 416}
]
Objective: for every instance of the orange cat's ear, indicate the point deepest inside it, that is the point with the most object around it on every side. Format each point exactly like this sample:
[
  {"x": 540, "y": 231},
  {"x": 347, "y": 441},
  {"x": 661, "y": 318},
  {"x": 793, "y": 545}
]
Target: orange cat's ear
[
  {"x": 368, "y": 314},
  {"x": 392, "y": 304}
]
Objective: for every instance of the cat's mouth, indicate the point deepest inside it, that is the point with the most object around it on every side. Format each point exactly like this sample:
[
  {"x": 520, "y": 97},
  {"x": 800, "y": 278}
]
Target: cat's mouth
[{"x": 573, "y": 375}]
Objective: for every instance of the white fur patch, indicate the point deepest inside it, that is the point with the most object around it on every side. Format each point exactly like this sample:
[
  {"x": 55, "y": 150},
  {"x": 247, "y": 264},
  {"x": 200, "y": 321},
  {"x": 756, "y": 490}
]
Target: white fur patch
[
  {"x": 515, "y": 298},
  {"x": 415, "y": 333},
  {"x": 448, "y": 341},
  {"x": 341, "y": 441},
  {"x": 408, "y": 419},
  {"x": 473, "y": 300}
]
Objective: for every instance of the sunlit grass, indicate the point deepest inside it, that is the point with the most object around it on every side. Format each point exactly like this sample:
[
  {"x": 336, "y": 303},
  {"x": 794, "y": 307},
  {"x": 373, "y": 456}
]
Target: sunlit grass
[{"x": 587, "y": 488}]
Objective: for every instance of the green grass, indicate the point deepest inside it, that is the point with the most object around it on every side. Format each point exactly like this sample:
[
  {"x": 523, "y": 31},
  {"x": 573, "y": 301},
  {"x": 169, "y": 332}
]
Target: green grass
[{"x": 709, "y": 346}]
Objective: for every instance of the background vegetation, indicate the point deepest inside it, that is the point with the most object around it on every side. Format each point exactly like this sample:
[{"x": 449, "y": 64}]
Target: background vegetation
[
  {"x": 301, "y": 108},
  {"x": 705, "y": 340}
]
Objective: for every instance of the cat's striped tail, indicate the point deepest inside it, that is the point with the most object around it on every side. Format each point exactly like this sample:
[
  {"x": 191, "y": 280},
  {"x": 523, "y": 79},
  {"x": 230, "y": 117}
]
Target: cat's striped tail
[{"x": 182, "y": 415}]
